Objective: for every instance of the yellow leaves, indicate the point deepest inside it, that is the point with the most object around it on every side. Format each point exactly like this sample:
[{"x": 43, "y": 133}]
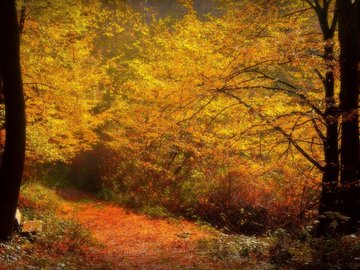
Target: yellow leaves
[
  {"x": 62, "y": 83},
  {"x": 154, "y": 88},
  {"x": 188, "y": 4}
]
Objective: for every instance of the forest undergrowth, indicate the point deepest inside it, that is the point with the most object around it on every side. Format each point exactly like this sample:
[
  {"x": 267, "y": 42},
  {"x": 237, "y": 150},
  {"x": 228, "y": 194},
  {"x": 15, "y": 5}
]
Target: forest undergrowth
[{"x": 83, "y": 232}]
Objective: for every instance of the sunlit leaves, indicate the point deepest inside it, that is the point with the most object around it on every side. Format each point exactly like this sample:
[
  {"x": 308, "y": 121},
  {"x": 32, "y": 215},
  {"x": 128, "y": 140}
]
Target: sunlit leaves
[{"x": 185, "y": 100}]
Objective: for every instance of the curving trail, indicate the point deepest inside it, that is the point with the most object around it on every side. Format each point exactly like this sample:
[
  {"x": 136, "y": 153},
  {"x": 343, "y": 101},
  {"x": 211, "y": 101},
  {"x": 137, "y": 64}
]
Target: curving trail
[{"x": 134, "y": 241}]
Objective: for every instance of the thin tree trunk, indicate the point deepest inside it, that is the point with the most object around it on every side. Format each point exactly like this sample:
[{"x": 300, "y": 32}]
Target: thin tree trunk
[
  {"x": 12, "y": 162},
  {"x": 331, "y": 149},
  {"x": 330, "y": 178}
]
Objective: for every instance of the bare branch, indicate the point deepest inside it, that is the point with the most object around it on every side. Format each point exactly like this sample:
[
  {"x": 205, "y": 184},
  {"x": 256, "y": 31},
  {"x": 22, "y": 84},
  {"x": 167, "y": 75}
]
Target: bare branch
[
  {"x": 318, "y": 130},
  {"x": 277, "y": 128},
  {"x": 289, "y": 91},
  {"x": 322, "y": 78}
]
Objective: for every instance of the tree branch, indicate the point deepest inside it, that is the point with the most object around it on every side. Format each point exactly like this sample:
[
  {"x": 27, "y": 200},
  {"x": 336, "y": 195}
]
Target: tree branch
[{"x": 277, "y": 128}]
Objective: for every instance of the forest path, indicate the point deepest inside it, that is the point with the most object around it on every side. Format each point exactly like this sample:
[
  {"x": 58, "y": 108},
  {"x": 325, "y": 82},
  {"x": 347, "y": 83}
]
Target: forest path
[{"x": 134, "y": 241}]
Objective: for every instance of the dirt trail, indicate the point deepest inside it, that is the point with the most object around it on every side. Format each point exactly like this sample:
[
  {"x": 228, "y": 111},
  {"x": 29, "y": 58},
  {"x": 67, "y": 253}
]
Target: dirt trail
[{"x": 133, "y": 241}]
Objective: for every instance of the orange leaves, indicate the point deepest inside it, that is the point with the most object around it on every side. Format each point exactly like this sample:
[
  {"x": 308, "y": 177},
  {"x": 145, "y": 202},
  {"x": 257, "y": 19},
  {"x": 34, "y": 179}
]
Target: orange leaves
[
  {"x": 176, "y": 103},
  {"x": 123, "y": 233}
]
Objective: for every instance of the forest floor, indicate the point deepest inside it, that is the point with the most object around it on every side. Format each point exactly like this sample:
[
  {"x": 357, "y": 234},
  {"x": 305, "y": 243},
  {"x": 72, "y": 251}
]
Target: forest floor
[
  {"x": 81, "y": 232},
  {"x": 130, "y": 240}
]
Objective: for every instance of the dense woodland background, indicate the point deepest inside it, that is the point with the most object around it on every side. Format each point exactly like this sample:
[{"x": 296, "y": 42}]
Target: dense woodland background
[
  {"x": 178, "y": 109},
  {"x": 225, "y": 112},
  {"x": 205, "y": 110}
]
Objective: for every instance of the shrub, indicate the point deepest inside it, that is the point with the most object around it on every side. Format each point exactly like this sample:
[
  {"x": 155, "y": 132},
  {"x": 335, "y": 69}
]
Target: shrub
[
  {"x": 63, "y": 244},
  {"x": 309, "y": 253},
  {"x": 179, "y": 179},
  {"x": 155, "y": 211},
  {"x": 37, "y": 201},
  {"x": 231, "y": 247}
]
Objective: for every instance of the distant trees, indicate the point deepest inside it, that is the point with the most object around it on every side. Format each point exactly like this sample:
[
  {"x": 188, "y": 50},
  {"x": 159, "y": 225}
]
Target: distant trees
[{"x": 13, "y": 156}]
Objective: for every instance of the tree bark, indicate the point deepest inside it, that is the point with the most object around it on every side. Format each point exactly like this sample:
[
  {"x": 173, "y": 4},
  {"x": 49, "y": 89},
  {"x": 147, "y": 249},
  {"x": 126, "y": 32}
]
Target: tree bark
[
  {"x": 12, "y": 162},
  {"x": 331, "y": 148},
  {"x": 330, "y": 178},
  {"x": 348, "y": 11}
]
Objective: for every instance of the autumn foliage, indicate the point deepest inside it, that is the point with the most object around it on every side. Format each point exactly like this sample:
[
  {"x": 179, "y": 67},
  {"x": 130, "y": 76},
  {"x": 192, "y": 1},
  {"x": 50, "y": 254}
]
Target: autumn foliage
[{"x": 213, "y": 114}]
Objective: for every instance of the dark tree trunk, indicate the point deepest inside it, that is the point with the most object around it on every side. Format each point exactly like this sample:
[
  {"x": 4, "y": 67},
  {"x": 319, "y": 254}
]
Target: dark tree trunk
[
  {"x": 331, "y": 149},
  {"x": 330, "y": 179},
  {"x": 348, "y": 11},
  {"x": 12, "y": 162}
]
